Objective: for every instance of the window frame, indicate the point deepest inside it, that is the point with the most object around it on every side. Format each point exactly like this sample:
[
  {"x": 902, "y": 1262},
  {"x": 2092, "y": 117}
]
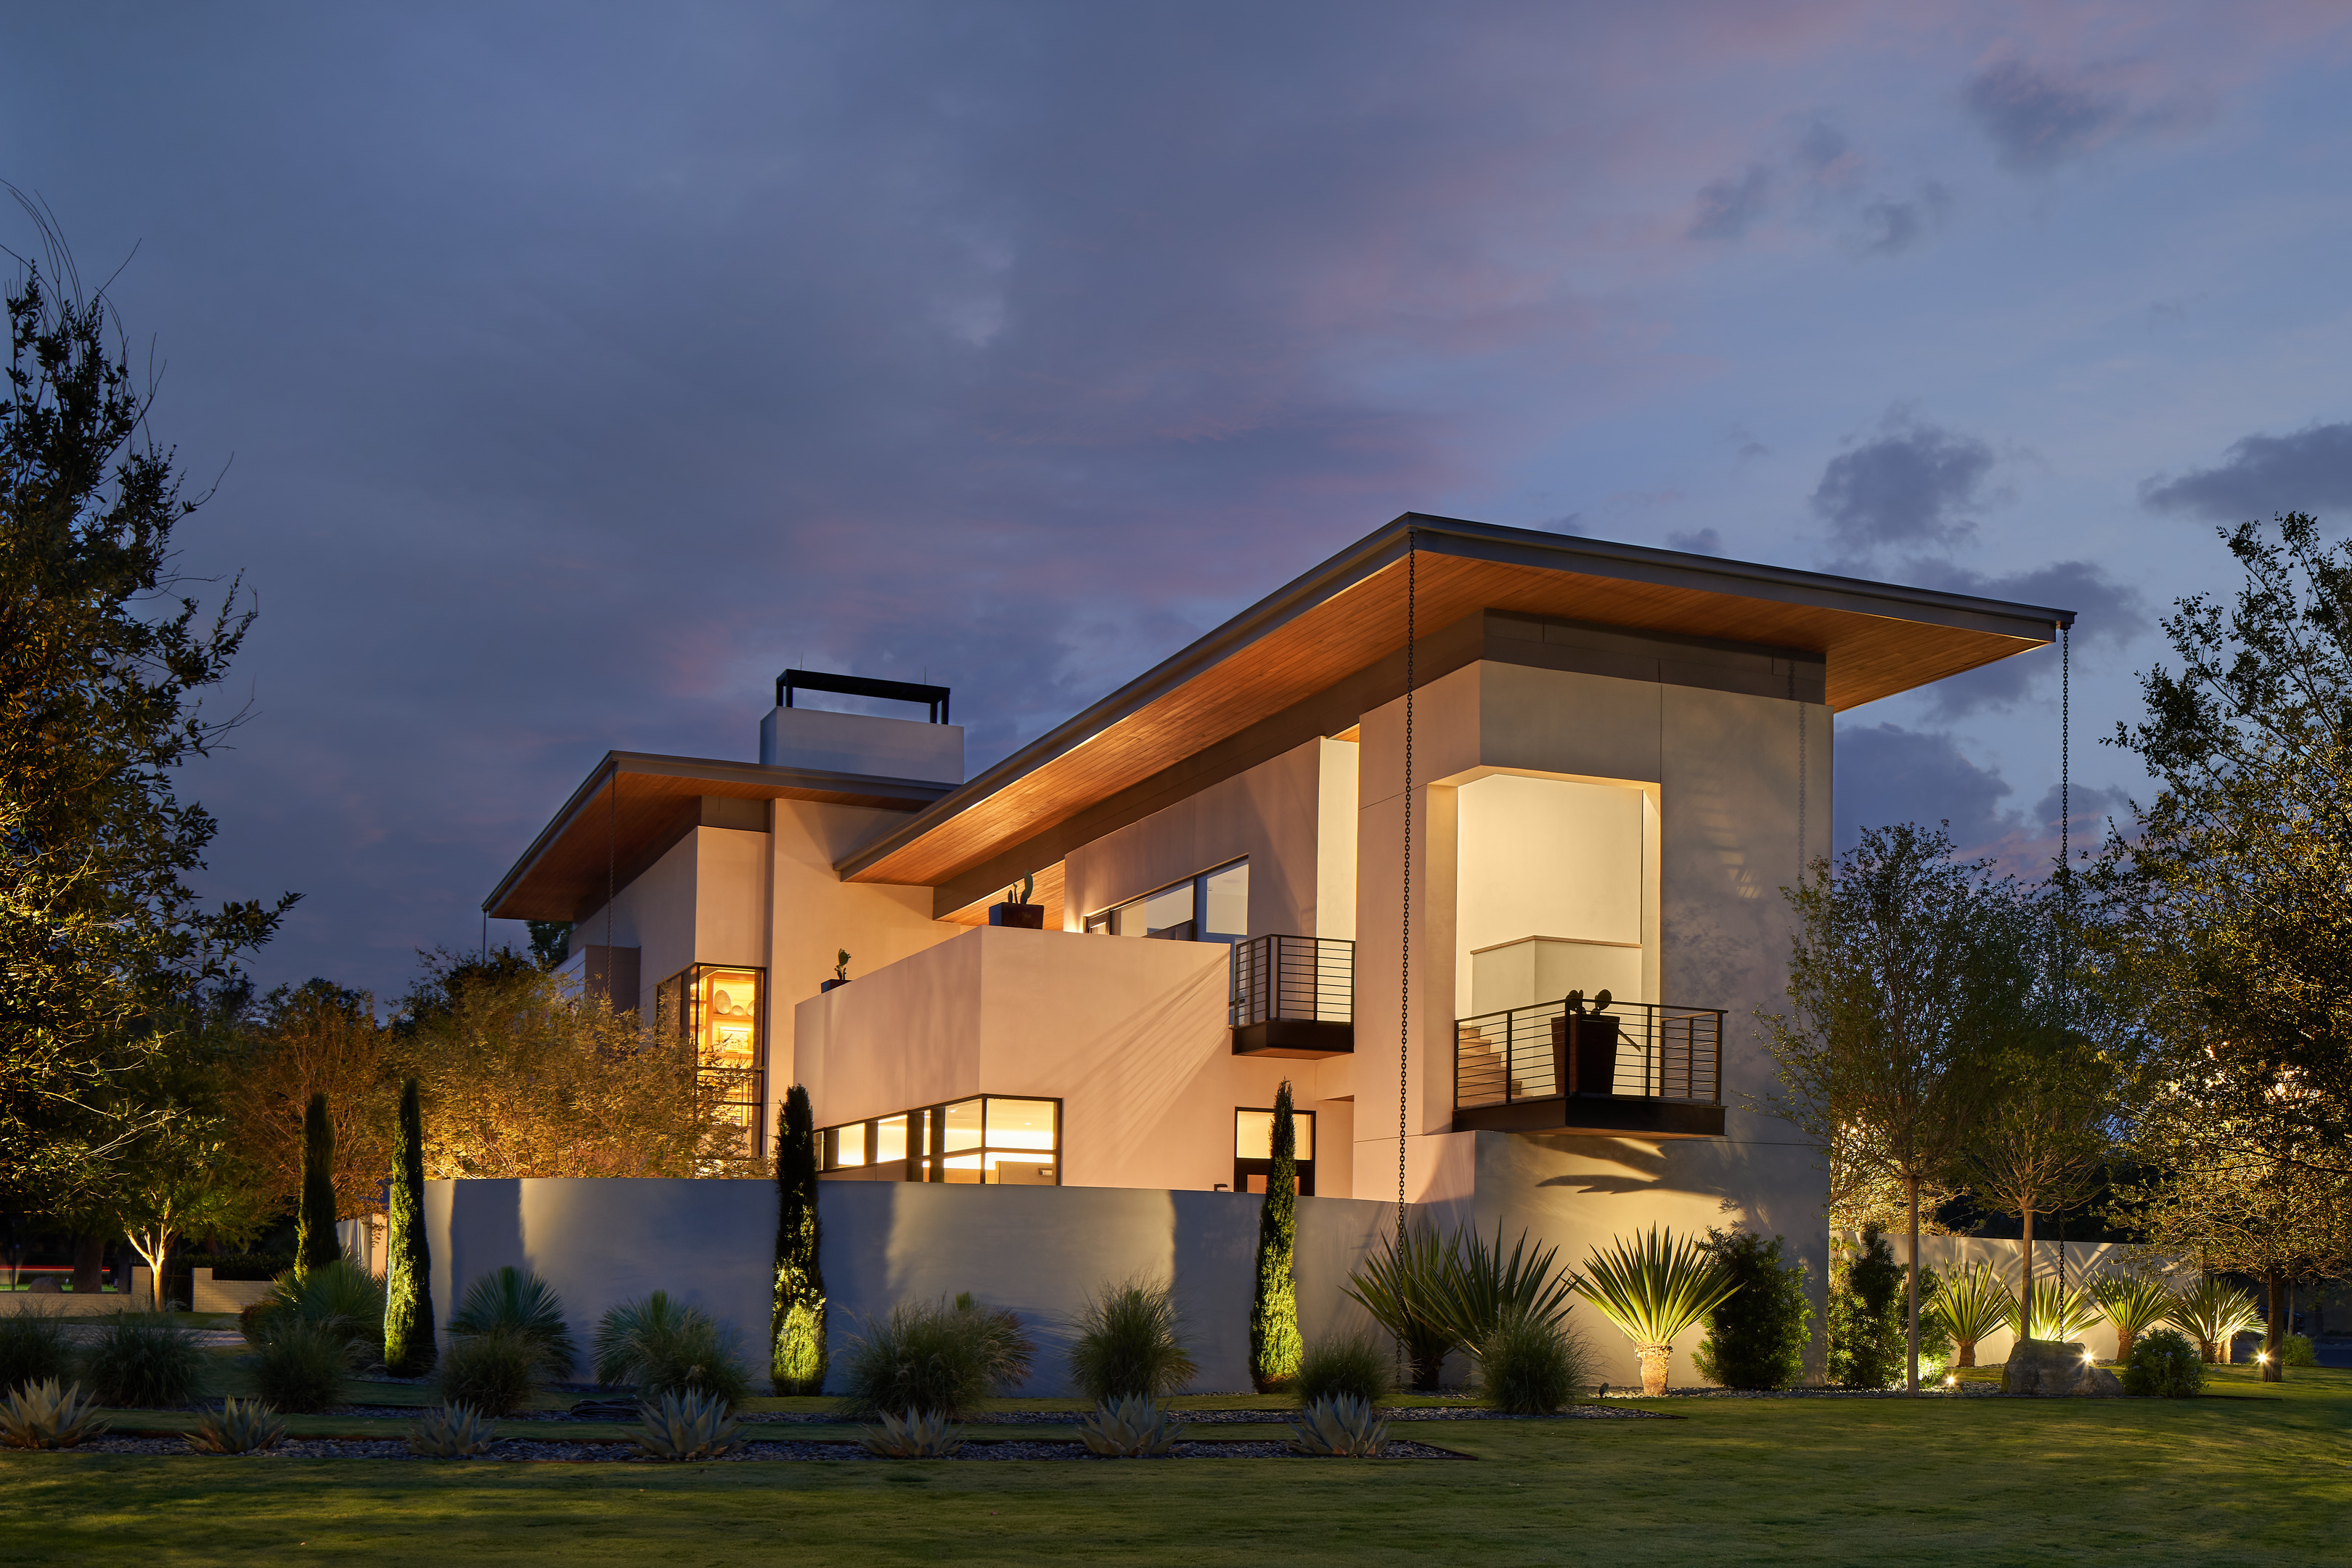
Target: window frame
[
  {"x": 675, "y": 1020},
  {"x": 926, "y": 1156},
  {"x": 1106, "y": 921},
  {"x": 1244, "y": 1168}
]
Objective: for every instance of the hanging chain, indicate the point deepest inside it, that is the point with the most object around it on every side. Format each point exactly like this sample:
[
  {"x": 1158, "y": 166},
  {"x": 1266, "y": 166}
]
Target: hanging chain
[
  {"x": 2065, "y": 824},
  {"x": 612, "y": 854},
  {"x": 1405, "y": 990},
  {"x": 1804, "y": 774}
]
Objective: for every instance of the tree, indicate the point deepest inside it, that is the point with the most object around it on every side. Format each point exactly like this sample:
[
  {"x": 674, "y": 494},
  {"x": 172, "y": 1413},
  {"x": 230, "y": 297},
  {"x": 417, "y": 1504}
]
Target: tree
[
  {"x": 409, "y": 1347},
  {"x": 179, "y": 1177},
  {"x": 319, "y": 1039},
  {"x": 1275, "y": 1347},
  {"x": 1906, "y": 965},
  {"x": 101, "y": 665},
  {"x": 2041, "y": 1150},
  {"x": 796, "y": 1327},
  {"x": 315, "y": 1242}
]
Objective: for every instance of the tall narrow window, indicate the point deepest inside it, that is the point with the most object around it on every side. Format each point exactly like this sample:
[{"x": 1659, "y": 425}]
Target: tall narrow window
[{"x": 716, "y": 1010}]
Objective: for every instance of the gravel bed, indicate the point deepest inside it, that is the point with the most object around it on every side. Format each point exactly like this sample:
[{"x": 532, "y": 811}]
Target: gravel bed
[{"x": 516, "y": 1451}]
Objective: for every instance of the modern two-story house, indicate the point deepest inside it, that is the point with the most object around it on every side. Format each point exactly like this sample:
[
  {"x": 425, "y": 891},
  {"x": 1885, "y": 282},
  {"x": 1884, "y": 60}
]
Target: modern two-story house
[{"x": 1390, "y": 834}]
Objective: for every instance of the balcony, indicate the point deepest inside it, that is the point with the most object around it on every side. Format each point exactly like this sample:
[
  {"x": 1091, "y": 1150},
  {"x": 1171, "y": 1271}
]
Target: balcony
[
  {"x": 1294, "y": 996},
  {"x": 1642, "y": 1068}
]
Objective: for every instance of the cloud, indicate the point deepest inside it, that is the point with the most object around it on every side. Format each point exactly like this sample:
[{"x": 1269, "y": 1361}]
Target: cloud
[
  {"x": 1706, "y": 541},
  {"x": 1830, "y": 187},
  {"x": 1914, "y": 484},
  {"x": 1889, "y": 226},
  {"x": 2039, "y": 119},
  {"x": 2107, "y": 615},
  {"x": 1886, "y": 773},
  {"x": 1727, "y": 206},
  {"x": 2263, "y": 475}
]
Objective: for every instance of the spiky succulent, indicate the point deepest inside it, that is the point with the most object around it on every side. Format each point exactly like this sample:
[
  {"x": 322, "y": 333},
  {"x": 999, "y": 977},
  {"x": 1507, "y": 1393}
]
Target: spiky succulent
[
  {"x": 920, "y": 1435},
  {"x": 1341, "y": 1428},
  {"x": 2055, "y": 1314},
  {"x": 2213, "y": 1313},
  {"x": 238, "y": 1426},
  {"x": 455, "y": 1431},
  {"x": 1971, "y": 1305},
  {"x": 44, "y": 1416},
  {"x": 688, "y": 1425},
  {"x": 1130, "y": 1428},
  {"x": 2133, "y": 1303}
]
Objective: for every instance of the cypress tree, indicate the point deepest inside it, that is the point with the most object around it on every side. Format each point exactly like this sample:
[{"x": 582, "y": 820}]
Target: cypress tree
[
  {"x": 796, "y": 1331},
  {"x": 315, "y": 1244},
  {"x": 1274, "y": 1350},
  {"x": 408, "y": 1279}
]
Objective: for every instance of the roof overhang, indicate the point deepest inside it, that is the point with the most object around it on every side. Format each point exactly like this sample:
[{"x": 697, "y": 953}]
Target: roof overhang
[
  {"x": 634, "y": 806},
  {"x": 1877, "y": 639}
]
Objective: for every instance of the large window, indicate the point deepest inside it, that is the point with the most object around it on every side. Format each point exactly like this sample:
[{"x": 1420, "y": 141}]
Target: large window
[
  {"x": 990, "y": 1140},
  {"x": 715, "y": 1010},
  {"x": 1211, "y": 907},
  {"x": 1253, "y": 1148}
]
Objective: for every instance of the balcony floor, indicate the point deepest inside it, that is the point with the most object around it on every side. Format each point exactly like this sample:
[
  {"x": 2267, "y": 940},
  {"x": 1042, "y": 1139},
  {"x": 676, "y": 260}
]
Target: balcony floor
[
  {"x": 1297, "y": 1037},
  {"x": 1605, "y": 1115}
]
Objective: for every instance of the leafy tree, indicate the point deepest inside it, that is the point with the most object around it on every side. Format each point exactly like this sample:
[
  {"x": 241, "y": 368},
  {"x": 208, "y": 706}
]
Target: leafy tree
[
  {"x": 319, "y": 1039},
  {"x": 548, "y": 939},
  {"x": 796, "y": 1327},
  {"x": 1756, "y": 1336},
  {"x": 1906, "y": 967},
  {"x": 1274, "y": 1346},
  {"x": 315, "y": 1242},
  {"x": 2042, "y": 1149},
  {"x": 101, "y": 665},
  {"x": 409, "y": 1347},
  {"x": 180, "y": 1177}
]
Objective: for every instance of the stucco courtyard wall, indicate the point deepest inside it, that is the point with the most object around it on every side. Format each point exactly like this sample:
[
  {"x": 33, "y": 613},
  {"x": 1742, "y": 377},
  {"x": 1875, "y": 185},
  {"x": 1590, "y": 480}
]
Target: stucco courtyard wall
[{"x": 1037, "y": 1250}]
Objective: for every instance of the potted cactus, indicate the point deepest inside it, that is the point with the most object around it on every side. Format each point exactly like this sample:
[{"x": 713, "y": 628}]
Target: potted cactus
[
  {"x": 1584, "y": 1047},
  {"x": 1016, "y": 910},
  {"x": 840, "y": 971}
]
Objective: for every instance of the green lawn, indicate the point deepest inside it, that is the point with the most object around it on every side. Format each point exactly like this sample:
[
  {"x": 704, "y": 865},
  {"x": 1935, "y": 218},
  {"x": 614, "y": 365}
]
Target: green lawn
[{"x": 1977, "y": 1481}]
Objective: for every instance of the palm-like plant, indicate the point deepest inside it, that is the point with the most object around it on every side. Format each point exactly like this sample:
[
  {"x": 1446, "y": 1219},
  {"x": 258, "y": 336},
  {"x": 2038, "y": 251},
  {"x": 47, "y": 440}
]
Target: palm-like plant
[
  {"x": 2133, "y": 1303},
  {"x": 1971, "y": 1305},
  {"x": 1404, "y": 1289},
  {"x": 2214, "y": 1313},
  {"x": 521, "y": 1302},
  {"x": 2058, "y": 1316},
  {"x": 1484, "y": 1289},
  {"x": 1653, "y": 1288}
]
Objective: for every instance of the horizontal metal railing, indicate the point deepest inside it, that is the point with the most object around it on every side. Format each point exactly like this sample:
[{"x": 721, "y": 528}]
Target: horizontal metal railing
[
  {"x": 1662, "y": 1052},
  {"x": 1302, "y": 977}
]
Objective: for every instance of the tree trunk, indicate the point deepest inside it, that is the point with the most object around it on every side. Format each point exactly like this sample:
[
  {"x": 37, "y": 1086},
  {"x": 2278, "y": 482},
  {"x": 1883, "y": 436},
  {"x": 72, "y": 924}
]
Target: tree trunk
[
  {"x": 1911, "y": 1377},
  {"x": 1655, "y": 1360},
  {"x": 90, "y": 1265},
  {"x": 2275, "y": 1343},
  {"x": 1965, "y": 1354},
  {"x": 2025, "y": 1286}
]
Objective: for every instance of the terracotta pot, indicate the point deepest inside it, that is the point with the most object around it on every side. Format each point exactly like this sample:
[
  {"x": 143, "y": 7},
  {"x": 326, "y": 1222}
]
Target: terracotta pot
[{"x": 1654, "y": 1369}]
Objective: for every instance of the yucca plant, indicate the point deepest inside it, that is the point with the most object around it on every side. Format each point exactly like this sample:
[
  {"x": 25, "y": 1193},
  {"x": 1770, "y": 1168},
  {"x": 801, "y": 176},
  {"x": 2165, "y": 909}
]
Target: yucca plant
[
  {"x": 661, "y": 1346},
  {"x": 2054, "y": 1315},
  {"x": 1405, "y": 1288},
  {"x": 1971, "y": 1305},
  {"x": 1341, "y": 1428},
  {"x": 2133, "y": 1303},
  {"x": 44, "y": 1416},
  {"x": 1130, "y": 1428},
  {"x": 2213, "y": 1313},
  {"x": 919, "y": 1435},
  {"x": 516, "y": 1300},
  {"x": 1653, "y": 1288},
  {"x": 1127, "y": 1341},
  {"x": 238, "y": 1426},
  {"x": 1483, "y": 1289},
  {"x": 455, "y": 1431},
  {"x": 687, "y": 1426}
]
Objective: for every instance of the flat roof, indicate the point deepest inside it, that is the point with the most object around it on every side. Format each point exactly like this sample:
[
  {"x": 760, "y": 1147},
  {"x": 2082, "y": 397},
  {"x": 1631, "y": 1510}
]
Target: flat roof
[{"x": 1876, "y": 638}]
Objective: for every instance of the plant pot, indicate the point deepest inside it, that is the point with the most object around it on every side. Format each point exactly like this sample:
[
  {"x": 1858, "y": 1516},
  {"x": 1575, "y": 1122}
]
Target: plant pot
[
  {"x": 1020, "y": 917},
  {"x": 1584, "y": 1053},
  {"x": 829, "y": 986}
]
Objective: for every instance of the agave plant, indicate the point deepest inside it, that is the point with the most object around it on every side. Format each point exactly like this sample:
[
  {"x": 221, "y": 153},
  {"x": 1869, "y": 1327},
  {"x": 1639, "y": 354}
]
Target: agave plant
[
  {"x": 688, "y": 1427},
  {"x": 1406, "y": 1289},
  {"x": 452, "y": 1432},
  {"x": 44, "y": 1416},
  {"x": 1971, "y": 1305},
  {"x": 2133, "y": 1303},
  {"x": 2214, "y": 1313},
  {"x": 1653, "y": 1290},
  {"x": 1130, "y": 1428},
  {"x": 238, "y": 1426},
  {"x": 2049, "y": 1313},
  {"x": 918, "y": 1434},
  {"x": 511, "y": 1298},
  {"x": 1341, "y": 1428}
]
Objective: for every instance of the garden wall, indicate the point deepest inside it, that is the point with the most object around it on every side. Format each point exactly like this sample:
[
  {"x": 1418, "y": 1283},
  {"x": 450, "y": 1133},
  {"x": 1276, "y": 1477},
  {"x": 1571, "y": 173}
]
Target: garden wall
[
  {"x": 2076, "y": 1261},
  {"x": 1037, "y": 1250}
]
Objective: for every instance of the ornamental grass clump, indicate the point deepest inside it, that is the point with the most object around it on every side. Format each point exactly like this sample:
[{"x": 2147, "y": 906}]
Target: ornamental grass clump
[
  {"x": 940, "y": 1356},
  {"x": 1130, "y": 1428},
  {"x": 659, "y": 1346},
  {"x": 2133, "y": 1303},
  {"x": 1653, "y": 1288},
  {"x": 2213, "y": 1313},
  {"x": 147, "y": 1360},
  {"x": 1970, "y": 1306},
  {"x": 1530, "y": 1367},
  {"x": 521, "y": 1303},
  {"x": 301, "y": 1364},
  {"x": 1756, "y": 1337},
  {"x": 2164, "y": 1365},
  {"x": 1358, "y": 1366},
  {"x": 238, "y": 1426},
  {"x": 45, "y": 1415},
  {"x": 340, "y": 1297},
  {"x": 1127, "y": 1342},
  {"x": 33, "y": 1349},
  {"x": 494, "y": 1371}
]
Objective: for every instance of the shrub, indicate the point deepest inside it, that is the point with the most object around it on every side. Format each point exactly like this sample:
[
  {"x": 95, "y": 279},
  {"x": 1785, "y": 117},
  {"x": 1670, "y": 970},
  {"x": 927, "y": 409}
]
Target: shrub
[
  {"x": 796, "y": 1348},
  {"x": 2298, "y": 1350},
  {"x": 523, "y": 1304},
  {"x": 493, "y": 1371},
  {"x": 1652, "y": 1288},
  {"x": 1274, "y": 1309},
  {"x": 2164, "y": 1365},
  {"x": 664, "y": 1348},
  {"x": 1756, "y": 1337},
  {"x": 1530, "y": 1367},
  {"x": 934, "y": 1356},
  {"x": 1360, "y": 1366},
  {"x": 1868, "y": 1340},
  {"x": 301, "y": 1363},
  {"x": 33, "y": 1349},
  {"x": 341, "y": 1298},
  {"x": 408, "y": 1274},
  {"x": 315, "y": 1245},
  {"x": 145, "y": 1360},
  {"x": 1128, "y": 1343}
]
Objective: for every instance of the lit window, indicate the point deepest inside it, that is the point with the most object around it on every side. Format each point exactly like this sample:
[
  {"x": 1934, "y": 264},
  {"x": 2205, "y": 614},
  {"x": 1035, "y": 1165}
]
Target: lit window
[
  {"x": 849, "y": 1145},
  {"x": 1211, "y": 907},
  {"x": 715, "y": 1010},
  {"x": 988, "y": 1139},
  {"x": 1253, "y": 1148}
]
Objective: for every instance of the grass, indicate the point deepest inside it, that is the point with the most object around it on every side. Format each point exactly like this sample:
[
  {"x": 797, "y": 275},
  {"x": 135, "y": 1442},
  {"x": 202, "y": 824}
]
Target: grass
[{"x": 2241, "y": 1479}]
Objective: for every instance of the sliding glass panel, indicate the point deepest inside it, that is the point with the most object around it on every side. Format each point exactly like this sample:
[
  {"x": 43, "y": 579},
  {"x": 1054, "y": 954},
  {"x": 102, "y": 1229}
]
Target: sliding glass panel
[
  {"x": 889, "y": 1139},
  {"x": 849, "y": 1145},
  {"x": 1224, "y": 912},
  {"x": 963, "y": 1127},
  {"x": 1168, "y": 915}
]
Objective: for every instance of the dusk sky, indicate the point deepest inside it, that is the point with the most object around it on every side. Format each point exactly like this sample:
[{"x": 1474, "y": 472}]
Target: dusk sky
[{"x": 568, "y": 371}]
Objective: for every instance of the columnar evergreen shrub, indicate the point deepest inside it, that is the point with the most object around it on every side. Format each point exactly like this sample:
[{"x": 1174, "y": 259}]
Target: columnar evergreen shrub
[
  {"x": 2164, "y": 1365},
  {"x": 408, "y": 1277},
  {"x": 796, "y": 1329},
  {"x": 1868, "y": 1336},
  {"x": 1275, "y": 1347},
  {"x": 315, "y": 1242},
  {"x": 1756, "y": 1337}
]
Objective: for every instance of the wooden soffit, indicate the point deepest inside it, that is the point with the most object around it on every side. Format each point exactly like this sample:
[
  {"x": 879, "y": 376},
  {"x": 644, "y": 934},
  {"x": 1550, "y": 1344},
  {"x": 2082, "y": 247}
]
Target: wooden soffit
[{"x": 1877, "y": 639}]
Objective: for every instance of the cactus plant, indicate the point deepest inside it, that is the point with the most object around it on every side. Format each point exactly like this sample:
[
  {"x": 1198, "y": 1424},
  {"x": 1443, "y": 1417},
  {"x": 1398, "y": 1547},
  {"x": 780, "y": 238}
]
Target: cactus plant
[
  {"x": 921, "y": 1435},
  {"x": 42, "y": 1415},
  {"x": 688, "y": 1427},
  {"x": 1130, "y": 1428},
  {"x": 238, "y": 1426},
  {"x": 455, "y": 1431},
  {"x": 1341, "y": 1428}
]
